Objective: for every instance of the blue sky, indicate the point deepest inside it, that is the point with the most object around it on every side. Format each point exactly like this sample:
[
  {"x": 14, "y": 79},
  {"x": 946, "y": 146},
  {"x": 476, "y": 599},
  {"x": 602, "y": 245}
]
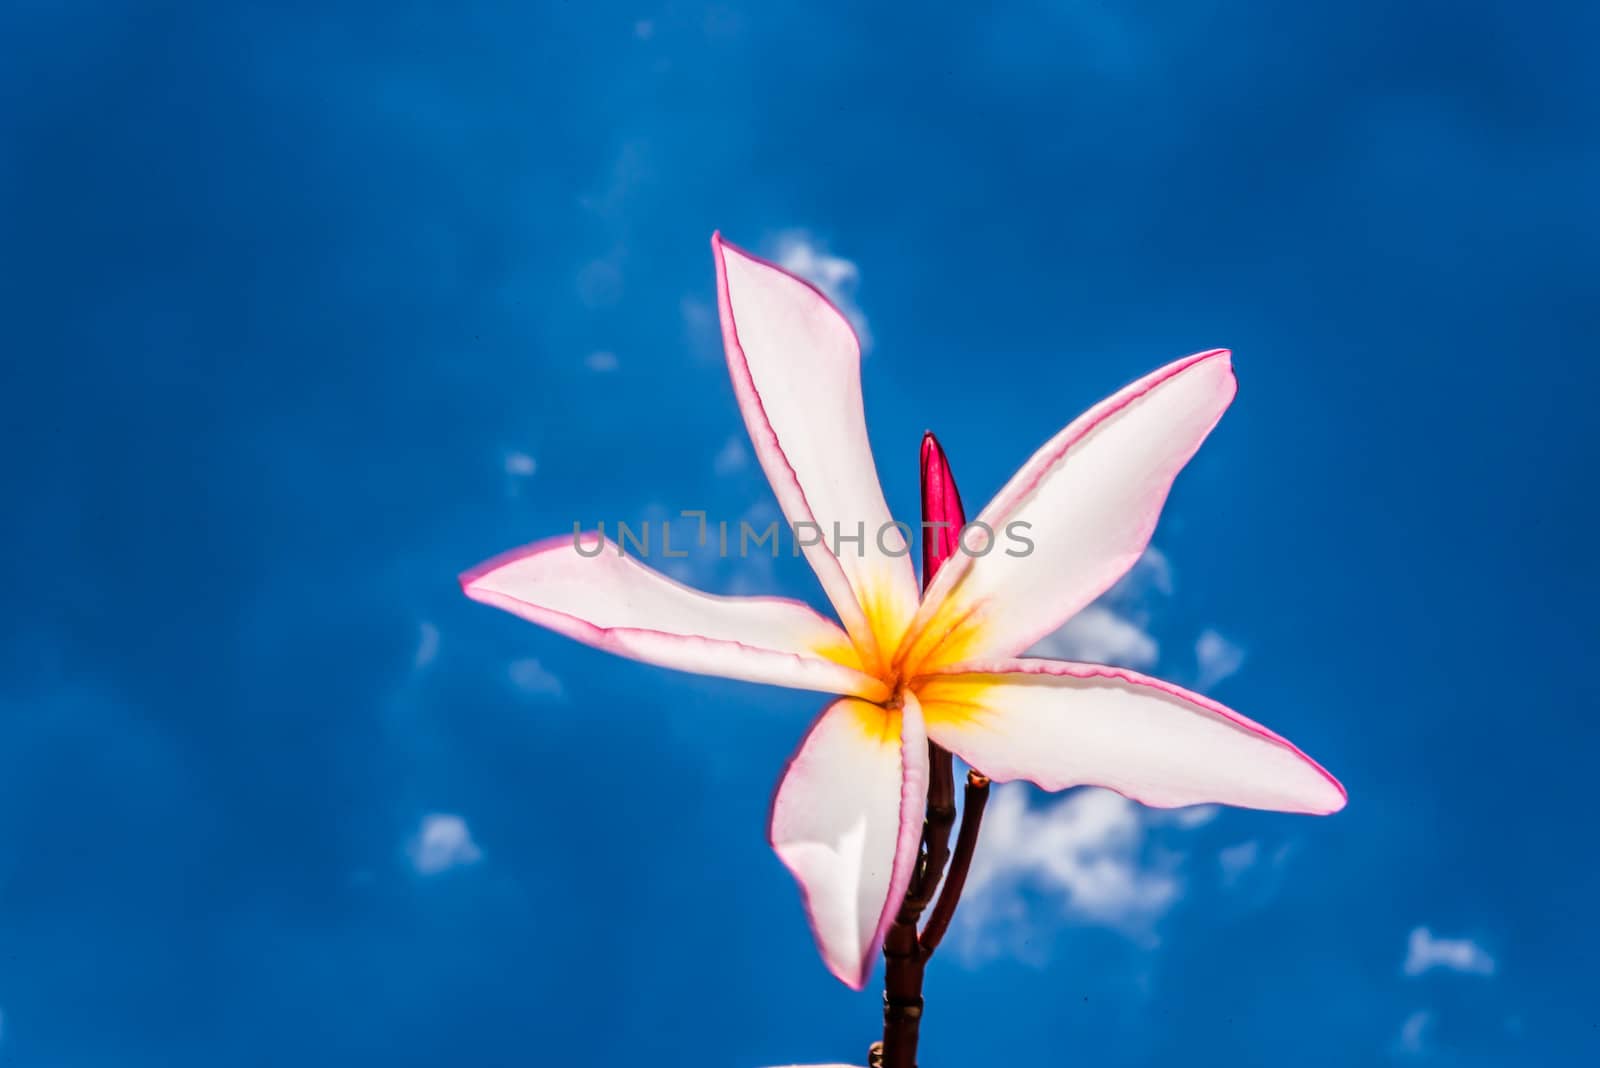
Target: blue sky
[{"x": 307, "y": 309}]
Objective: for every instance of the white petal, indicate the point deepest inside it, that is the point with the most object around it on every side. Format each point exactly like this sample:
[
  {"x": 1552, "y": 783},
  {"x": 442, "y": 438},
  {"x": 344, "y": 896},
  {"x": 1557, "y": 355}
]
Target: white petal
[
  {"x": 1059, "y": 724},
  {"x": 847, "y": 822},
  {"x": 796, "y": 370},
  {"x": 1087, "y": 502},
  {"x": 615, "y": 603}
]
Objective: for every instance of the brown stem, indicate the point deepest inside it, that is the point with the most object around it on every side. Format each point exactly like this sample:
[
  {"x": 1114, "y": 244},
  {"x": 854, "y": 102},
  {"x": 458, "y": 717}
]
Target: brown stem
[
  {"x": 936, "y": 827},
  {"x": 902, "y": 952},
  {"x": 902, "y": 996},
  {"x": 905, "y": 952},
  {"x": 977, "y": 795}
]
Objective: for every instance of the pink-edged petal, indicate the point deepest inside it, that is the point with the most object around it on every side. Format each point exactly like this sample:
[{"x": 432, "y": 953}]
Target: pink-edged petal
[
  {"x": 1059, "y": 724},
  {"x": 796, "y": 370},
  {"x": 847, "y": 822},
  {"x": 942, "y": 513},
  {"x": 1087, "y": 502},
  {"x": 615, "y": 603}
]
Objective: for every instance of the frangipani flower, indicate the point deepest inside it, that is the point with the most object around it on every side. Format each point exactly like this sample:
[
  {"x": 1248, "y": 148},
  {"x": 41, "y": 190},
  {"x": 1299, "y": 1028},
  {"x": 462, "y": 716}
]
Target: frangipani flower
[{"x": 847, "y": 816}]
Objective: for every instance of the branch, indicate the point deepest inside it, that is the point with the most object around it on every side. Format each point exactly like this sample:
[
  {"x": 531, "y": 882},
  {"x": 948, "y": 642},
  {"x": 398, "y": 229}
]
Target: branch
[
  {"x": 936, "y": 827},
  {"x": 902, "y": 953},
  {"x": 977, "y": 795}
]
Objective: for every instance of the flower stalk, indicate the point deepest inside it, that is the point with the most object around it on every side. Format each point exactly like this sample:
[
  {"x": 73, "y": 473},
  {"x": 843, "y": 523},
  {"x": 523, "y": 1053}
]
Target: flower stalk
[
  {"x": 906, "y": 952},
  {"x": 944, "y": 909}
]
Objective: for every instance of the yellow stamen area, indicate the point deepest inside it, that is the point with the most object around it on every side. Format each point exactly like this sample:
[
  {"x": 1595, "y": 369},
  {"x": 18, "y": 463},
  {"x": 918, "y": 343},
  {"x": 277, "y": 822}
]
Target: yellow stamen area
[
  {"x": 842, "y": 652},
  {"x": 886, "y": 619},
  {"x": 880, "y": 726},
  {"x": 953, "y": 634},
  {"x": 954, "y": 700}
]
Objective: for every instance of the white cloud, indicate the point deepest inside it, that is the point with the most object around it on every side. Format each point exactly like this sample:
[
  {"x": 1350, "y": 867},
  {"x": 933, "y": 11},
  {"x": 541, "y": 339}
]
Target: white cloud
[
  {"x": 600, "y": 282},
  {"x": 1152, "y": 571},
  {"x": 601, "y": 362},
  {"x": 1191, "y": 817},
  {"x": 1086, "y": 851},
  {"x": 1413, "y": 1038},
  {"x": 1112, "y": 630},
  {"x": 836, "y": 276},
  {"x": 1424, "y": 952},
  {"x": 427, "y": 645},
  {"x": 611, "y": 197},
  {"x": 730, "y": 458},
  {"x": 1098, "y": 635},
  {"x": 443, "y": 842},
  {"x": 532, "y": 678},
  {"x": 520, "y": 464},
  {"x": 1217, "y": 658},
  {"x": 1238, "y": 859}
]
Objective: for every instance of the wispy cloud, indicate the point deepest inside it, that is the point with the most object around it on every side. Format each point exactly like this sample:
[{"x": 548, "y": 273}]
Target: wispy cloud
[
  {"x": 1112, "y": 630},
  {"x": 1086, "y": 852},
  {"x": 1424, "y": 952},
  {"x": 1152, "y": 573},
  {"x": 730, "y": 458},
  {"x": 533, "y": 679},
  {"x": 1191, "y": 817},
  {"x": 1235, "y": 860},
  {"x": 600, "y": 281},
  {"x": 1413, "y": 1038},
  {"x": 602, "y": 361},
  {"x": 520, "y": 468},
  {"x": 1098, "y": 635},
  {"x": 443, "y": 842},
  {"x": 1216, "y": 657},
  {"x": 837, "y": 277},
  {"x": 427, "y": 645}
]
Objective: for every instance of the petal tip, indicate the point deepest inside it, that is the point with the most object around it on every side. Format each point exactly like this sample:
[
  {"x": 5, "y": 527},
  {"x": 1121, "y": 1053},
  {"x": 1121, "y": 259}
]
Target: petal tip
[
  {"x": 1342, "y": 800},
  {"x": 1219, "y": 357},
  {"x": 721, "y": 246},
  {"x": 1330, "y": 796},
  {"x": 1224, "y": 359},
  {"x": 472, "y": 579}
]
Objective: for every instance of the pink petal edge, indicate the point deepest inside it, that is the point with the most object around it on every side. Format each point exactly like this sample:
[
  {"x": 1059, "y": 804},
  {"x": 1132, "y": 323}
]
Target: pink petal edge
[{"x": 1067, "y": 669}]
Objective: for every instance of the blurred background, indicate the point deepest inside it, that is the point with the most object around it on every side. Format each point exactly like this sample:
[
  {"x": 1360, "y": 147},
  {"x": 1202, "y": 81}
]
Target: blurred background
[{"x": 304, "y": 308}]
